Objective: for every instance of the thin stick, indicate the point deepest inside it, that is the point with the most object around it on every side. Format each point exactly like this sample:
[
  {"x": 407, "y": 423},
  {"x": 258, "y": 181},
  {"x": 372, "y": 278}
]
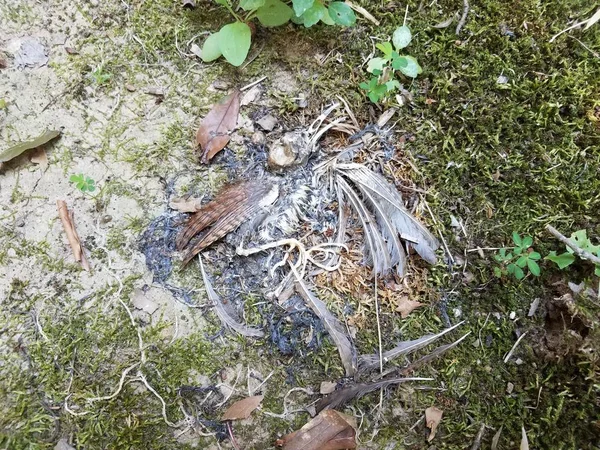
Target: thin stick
[
  {"x": 405, "y": 15},
  {"x": 478, "y": 438},
  {"x": 578, "y": 24},
  {"x": 119, "y": 388},
  {"x": 254, "y": 83},
  {"x": 463, "y": 18},
  {"x": 512, "y": 350},
  {"x": 359, "y": 9},
  {"x": 583, "y": 254},
  {"x": 66, "y": 217}
]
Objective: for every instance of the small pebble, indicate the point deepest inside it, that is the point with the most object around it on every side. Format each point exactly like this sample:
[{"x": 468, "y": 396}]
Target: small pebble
[
  {"x": 512, "y": 315},
  {"x": 509, "y": 388}
]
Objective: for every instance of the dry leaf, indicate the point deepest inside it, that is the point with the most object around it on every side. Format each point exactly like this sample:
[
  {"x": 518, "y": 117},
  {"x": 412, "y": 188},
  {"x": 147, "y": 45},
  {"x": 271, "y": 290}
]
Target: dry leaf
[
  {"x": 71, "y": 51},
  {"x": 433, "y": 417},
  {"x": 66, "y": 217},
  {"x": 406, "y": 306},
  {"x": 250, "y": 96},
  {"x": 213, "y": 134},
  {"x": 495, "y": 439},
  {"x": 243, "y": 408},
  {"x": 330, "y": 430},
  {"x": 189, "y": 205},
  {"x": 39, "y": 156},
  {"x": 524, "y": 441},
  {"x": 16, "y": 150},
  {"x": 592, "y": 20}
]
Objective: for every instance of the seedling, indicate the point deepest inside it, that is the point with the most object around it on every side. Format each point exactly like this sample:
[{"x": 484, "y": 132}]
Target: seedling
[
  {"x": 383, "y": 83},
  {"x": 581, "y": 240},
  {"x": 83, "y": 183},
  {"x": 514, "y": 261},
  {"x": 233, "y": 40},
  {"x": 99, "y": 76}
]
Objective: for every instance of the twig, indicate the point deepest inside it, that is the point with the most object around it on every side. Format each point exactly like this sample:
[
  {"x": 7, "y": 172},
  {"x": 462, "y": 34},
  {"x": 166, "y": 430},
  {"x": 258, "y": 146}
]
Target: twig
[
  {"x": 478, "y": 438},
  {"x": 157, "y": 395},
  {"x": 583, "y": 254},
  {"x": 254, "y": 83},
  {"x": 66, "y": 217},
  {"x": 362, "y": 11},
  {"x": 512, "y": 350},
  {"x": 463, "y": 18},
  {"x": 119, "y": 388},
  {"x": 578, "y": 24}
]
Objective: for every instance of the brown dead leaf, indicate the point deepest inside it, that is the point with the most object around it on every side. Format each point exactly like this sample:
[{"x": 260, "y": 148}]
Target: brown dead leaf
[
  {"x": 213, "y": 134},
  {"x": 330, "y": 430},
  {"x": 39, "y": 156},
  {"x": 243, "y": 408},
  {"x": 433, "y": 417},
  {"x": 71, "y": 51},
  {"x": 406, "y": 306},
  {"x": 66, "y": 217},
  {"x": 183, "y": 204},
  {"x": 3, "y": 62},
  {"x": 327, "y": 387}
]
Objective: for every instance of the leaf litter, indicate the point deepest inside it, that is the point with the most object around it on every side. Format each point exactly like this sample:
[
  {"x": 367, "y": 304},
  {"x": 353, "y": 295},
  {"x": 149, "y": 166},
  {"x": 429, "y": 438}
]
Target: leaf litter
[{"x": 213, "y": 134}]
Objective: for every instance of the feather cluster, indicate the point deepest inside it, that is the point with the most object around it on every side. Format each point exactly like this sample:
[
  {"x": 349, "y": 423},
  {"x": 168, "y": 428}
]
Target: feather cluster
[{"x": 385, "y": 220}]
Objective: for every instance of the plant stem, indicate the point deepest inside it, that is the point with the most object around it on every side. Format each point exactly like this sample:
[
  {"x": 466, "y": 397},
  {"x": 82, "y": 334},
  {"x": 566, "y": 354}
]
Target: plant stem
[{"x": 583, "y": 254}]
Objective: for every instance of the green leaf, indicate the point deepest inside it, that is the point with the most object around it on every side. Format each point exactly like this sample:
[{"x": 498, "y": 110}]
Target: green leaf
[
  {"x": 597, "y": 271},
  {"x": 364, "y": 86},
  {"x": 249, "y": 5},
  {"x": 522, "y": 261},
  {"x": 376, "y": 64},
  {"x": 211, "y": 49},
  {"x": 399, "y": 63},
  {"x": 503, "y": 252},
  {"x": 234, "y": 42},
  {"x": 527, "y": 241},
  {"x": 516, "y": 238},
  {"x": 342, "y": 14},
  {"x": 392, "y": 84},
  {"x": 562, "y": 261},
  {"x": 518, "y": 250},
  {"x": 534, "y": 256},
  {"x": 301, "y": 5},
  {"x": 497, "y": 272},
  {"x": 519, "y": 274},
  {"x": 412, "y": 69},
  {"x": 326, "y": 19},
  {"x": 534, "y": 268},
  {"x": 402, "y": 37},
  {"x": 223, "y": 2},
  {"x": 511, "y": 268},
  {"x": 274, "y": 13},
  {"x": 374, "y": 97},
  {"x": 313, "y": 14},
  {"x": 16, "y": 150},
  {"x": 386, "y": 48},
  {"x": 83, "y": 183}
]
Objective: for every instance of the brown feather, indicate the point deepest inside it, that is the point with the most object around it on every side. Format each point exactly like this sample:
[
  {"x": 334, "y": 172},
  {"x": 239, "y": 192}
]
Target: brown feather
[{"x": 233, "y": 206}]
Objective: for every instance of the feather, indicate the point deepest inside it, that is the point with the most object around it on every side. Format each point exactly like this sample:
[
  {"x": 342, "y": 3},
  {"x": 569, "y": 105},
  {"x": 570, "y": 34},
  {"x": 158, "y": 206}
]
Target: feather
[
  {"x": 225, "y": 313},
  {"x": 234, "y": 206},
  {"x": 390, "y": 202},
  {"x": 368, "y": 362},
  {"x": 333, "y": 326},
  {"x": 351, "y": 391},
  {"x": 376, "y": 246},
  {"x": 435, "y": 353}
]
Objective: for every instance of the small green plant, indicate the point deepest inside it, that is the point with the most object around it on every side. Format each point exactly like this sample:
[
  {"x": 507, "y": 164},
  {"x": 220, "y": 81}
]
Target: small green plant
[
  {"x": 581, "y": 240},
  {"x": 233, "y": 40},
  {"x": 515, "y": 260},
  {"x": 99, "y": 76},
  {"x": 83, "y": 183},
  {"x": 383, "y": 82}
]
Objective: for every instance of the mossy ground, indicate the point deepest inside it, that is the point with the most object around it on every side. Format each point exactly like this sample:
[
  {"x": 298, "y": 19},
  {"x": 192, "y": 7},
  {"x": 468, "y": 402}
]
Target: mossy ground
[{"x": 499, "y": 157}]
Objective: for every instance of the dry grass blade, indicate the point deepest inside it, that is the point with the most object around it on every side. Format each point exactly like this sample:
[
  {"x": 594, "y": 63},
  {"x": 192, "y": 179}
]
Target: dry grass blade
[
  {"x": 333, "y": 326},
  {"x": 387, "y": 201},
  {"x": 213, "y": 134},
  {"x": 351, "y": 391},
  {"x": 524, "y": 441},
  {"x": 223, "y": 312},
  {"x": 66, "y": 217},
  {"x": 592, "y": 20},
  {"x": 496, "y": 439},
  {"x": 242, "y": 408},
  {"x": 232, "y": 207},
  {"x": 369, "y": 362}
]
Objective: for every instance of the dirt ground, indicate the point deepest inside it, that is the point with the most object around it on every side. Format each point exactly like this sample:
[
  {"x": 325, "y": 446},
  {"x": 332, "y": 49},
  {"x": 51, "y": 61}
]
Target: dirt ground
[{"x": 102, "y": 358}]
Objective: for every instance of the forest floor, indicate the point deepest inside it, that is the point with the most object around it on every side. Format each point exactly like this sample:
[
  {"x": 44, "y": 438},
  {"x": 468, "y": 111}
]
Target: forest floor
[{"x": 502, "y": 136}]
